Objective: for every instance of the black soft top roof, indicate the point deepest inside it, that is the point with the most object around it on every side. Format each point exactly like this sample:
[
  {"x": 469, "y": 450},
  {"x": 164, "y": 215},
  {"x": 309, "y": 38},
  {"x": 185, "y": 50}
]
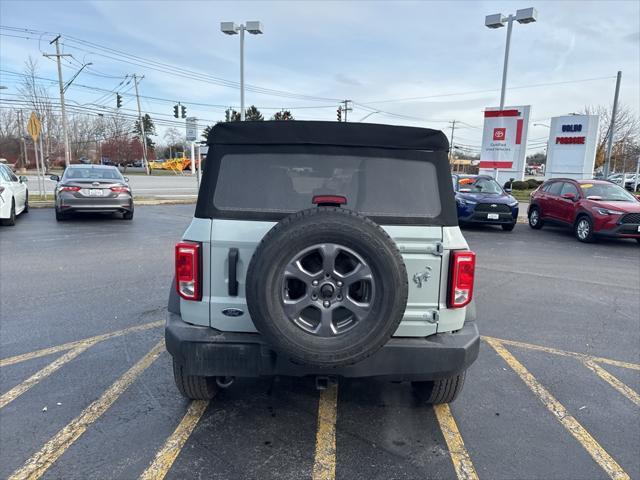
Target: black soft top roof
[{"x": 327, "y": 133}]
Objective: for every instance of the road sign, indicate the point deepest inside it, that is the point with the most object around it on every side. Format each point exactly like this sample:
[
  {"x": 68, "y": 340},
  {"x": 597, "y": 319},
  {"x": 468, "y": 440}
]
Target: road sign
[
  {"x": 33, "y": 126},
  {"x": 192, "y": 129}
]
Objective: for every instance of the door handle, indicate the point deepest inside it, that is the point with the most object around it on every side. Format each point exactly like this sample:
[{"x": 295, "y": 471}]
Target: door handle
[{"x": 233, "y": 272}]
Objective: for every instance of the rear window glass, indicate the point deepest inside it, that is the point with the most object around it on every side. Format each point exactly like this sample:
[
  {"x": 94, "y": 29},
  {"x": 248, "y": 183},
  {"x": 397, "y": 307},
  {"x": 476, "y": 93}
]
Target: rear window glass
[
  {"x": 373, "y": 186},
  {"x": 93, "y": 173}
]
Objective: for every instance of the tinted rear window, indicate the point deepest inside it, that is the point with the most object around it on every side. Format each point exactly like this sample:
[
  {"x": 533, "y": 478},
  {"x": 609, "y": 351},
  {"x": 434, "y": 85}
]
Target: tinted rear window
[
  {"x": 92, "y": 173},
  {"x": 287, "y": 182}
]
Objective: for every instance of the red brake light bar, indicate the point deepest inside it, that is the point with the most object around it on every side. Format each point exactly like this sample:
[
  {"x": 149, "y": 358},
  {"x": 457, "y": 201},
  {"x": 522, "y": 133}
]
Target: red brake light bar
[
  {"x": 69, "y": 189},
  {"x": 461, "y": 277},
  {"x": 329, "y": 200},
  {"x": 120, "y": 189}
]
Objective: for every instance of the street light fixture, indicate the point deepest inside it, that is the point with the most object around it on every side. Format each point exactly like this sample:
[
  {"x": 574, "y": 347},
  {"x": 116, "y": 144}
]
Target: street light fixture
[
  {"x": 525, "y": 15},
  {"x": 230, "y": 28}
]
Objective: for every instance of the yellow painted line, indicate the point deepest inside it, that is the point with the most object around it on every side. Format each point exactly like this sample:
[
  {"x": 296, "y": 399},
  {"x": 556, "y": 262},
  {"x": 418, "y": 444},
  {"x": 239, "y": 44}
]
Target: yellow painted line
[
  {"x": 565, "y": 353},
  {"x": 18, "y": 390},
  {"x": 169, "y": 452},
  {"x": 599, "y": 454},
  {"x": 40, "y": 462},
  {"x": 458, "y": 452},
  {"x": 324, "y": 465},
  {"x": 78, "y": 343},
  {"x": 624, "y": 389}
]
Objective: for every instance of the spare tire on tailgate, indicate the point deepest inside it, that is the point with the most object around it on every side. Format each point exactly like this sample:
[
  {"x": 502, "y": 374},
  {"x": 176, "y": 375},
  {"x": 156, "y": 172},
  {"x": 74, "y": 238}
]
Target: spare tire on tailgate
[{"x": 327, "y": 287}]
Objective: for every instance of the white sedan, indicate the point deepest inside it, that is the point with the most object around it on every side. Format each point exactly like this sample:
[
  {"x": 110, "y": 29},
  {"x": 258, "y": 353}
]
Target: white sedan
[{"x": 14, "y": 196}]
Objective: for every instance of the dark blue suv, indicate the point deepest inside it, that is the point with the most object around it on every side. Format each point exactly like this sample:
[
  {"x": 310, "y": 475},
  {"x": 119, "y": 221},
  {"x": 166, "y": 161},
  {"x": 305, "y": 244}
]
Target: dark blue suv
[{"x": 480, "y": 199}]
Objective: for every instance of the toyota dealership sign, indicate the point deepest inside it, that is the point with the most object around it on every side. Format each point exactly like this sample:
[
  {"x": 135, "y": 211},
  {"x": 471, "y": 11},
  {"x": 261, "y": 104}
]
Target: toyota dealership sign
[
  {"x": 504, "y": 143},
  {"x": 572, "y": 145}
]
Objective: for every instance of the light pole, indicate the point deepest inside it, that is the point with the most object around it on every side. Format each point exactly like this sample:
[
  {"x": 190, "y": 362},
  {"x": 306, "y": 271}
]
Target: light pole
[
  {"x": 525, "y": 15},
  {"x": 230, "y": 28},
  {"x": 368, "y": 115}
]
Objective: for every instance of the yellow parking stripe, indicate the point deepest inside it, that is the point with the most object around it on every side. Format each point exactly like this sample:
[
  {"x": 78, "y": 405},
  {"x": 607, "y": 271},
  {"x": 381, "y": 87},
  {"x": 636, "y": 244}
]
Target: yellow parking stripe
[
  {"x": 625, "y": 390},
  {"x": 565, "y": 353},
  {"x": 40, "y": 462},
  {"x": 324, "y": 465},
  {"x": 167, "y": 455},
  {"x": 18, "y": 390},
  {"x": 78, "y": 343},
  {"x": 459, "y": 455},
  {"x": 599, "y": 454}
]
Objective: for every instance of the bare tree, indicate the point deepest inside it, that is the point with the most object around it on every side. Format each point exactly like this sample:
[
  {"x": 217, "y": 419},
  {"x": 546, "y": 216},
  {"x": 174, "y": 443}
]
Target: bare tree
[
  {"x": 37, "y": 99},
  {"x": 626, "y": 135}
]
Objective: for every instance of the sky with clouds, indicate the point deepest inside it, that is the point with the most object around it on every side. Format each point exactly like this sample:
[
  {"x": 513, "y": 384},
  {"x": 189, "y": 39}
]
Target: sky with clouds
[{"x": 421, "y": 63}]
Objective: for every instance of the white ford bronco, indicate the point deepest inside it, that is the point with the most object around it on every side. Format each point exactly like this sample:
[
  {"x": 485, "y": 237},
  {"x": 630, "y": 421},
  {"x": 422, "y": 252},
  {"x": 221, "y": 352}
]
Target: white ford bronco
[{"x": 323, "y": 249}]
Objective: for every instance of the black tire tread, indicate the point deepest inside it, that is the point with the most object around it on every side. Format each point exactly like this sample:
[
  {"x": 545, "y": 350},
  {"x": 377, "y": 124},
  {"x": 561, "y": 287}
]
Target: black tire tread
[
  {"x": 194, "y": 387},
  {"x": 442, "y": 390}
]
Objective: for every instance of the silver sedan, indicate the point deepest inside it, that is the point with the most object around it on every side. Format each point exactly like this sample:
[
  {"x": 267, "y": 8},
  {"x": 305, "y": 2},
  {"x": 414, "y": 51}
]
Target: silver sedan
[{"x": 92, "y": 188}]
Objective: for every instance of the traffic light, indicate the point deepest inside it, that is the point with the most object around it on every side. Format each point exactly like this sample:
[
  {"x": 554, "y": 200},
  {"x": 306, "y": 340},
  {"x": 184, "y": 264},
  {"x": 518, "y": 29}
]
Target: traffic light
[
  {"x": 175, "y": 111},
  {"x": 183, "y": 111},
  {"x": 118, "y": 100},
  {"x": 339, "y": 114}
]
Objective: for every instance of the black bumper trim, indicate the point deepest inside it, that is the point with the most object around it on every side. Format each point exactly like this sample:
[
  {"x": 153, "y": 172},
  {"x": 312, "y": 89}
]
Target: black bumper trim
[{"x": 209, "y": 352}]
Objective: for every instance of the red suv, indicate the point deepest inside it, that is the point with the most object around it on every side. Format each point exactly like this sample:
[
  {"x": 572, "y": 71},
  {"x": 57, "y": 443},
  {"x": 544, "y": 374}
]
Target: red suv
[{"x": 591, "y": 207}]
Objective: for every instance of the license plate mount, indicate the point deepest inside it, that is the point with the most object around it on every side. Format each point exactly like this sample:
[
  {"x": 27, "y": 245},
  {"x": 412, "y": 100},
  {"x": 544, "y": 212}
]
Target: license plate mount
[{"x": 493, "y": 216}]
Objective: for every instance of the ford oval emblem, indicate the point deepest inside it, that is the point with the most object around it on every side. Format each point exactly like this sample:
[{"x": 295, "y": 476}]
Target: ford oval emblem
[{"x": 232, "y": 312}]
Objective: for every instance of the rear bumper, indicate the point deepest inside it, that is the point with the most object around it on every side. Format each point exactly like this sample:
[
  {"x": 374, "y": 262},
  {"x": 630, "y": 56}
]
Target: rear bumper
[
  {"x": 209, "y": 352},
  {"x": 70, "y": 203}
]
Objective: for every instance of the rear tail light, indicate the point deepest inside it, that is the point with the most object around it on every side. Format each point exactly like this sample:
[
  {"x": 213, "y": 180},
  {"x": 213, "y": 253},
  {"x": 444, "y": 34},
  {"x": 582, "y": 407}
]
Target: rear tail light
[
  {"x": 188, "y": 270},
  {"x": 120, "y": 189},
  {"x": 461, "y": 276},
  {"x": 69, "y": 189}
]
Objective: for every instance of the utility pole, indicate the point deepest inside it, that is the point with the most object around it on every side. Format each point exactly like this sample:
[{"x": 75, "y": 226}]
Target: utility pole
[
  {"x": 65, "y": 128},
  {"x": 453, "y": 128},
  {"x": 23, "y": 144},
  {"x": 612, "y": 127},
  {"x": 346, "y": 108},
  {"x": 144, "y": 136}
]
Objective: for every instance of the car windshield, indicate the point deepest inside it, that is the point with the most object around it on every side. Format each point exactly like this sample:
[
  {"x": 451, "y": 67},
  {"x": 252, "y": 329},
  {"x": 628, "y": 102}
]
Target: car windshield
[
  {"x": 607, "y": 192},
  {"x": 87, "y": 173},
  {"x": 479, "y": 185}
]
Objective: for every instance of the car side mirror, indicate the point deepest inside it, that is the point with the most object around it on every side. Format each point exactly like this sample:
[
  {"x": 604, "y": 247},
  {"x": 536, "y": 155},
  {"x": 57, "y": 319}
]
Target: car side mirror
[
  {"x": 570, "y": 196},
  {"x": 126, "y": 179},
  {"x": 23, "y": 179},
  {"x": 508, "y": 190},
  {"x": 55, "y": 178}
]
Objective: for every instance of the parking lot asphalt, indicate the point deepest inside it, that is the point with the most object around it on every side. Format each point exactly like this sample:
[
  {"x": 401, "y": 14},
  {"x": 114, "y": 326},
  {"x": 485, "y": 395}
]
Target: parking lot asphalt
[{"x": 86, "y": 389}]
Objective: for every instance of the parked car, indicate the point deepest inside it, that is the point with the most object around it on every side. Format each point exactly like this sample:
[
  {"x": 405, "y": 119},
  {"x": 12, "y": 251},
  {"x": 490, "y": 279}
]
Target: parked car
[
  {"x": 14, "y": 195},
  {"x": 316, "y": 251},
  {"x": 480, "y": 199},
  {"x": 92, "y": 188},
  {"x": 591, "y": 208}
]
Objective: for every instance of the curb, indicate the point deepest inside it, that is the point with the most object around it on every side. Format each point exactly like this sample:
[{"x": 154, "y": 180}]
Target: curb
[{"x": 49, "y": 203}]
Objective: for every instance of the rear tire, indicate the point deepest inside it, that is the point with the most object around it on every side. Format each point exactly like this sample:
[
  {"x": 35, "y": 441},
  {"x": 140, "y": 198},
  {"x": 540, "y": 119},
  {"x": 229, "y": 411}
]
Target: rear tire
[
  {"x": 26, "y": 204},
  {"x": 583, "y": 229},
  {"x": 194, "y": 387},
  {"x": 535, "y": 219},
  {"x": 128, "y": 215},
  {"x": 60, "y": 216},
  {"x": 508, "y": 227},
  {"x": 11, "y": 221},
  {"x": 443, "y": 390}
]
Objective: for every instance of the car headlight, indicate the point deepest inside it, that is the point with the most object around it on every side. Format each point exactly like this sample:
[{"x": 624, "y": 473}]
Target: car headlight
[
  {"x": 513, "y": 204},
  {"x": 466, "y": 201},
  {"x": 606, "y": 211}
]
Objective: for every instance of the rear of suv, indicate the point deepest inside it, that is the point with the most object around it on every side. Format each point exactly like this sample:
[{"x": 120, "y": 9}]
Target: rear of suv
[{"x": 328, "y": 250}]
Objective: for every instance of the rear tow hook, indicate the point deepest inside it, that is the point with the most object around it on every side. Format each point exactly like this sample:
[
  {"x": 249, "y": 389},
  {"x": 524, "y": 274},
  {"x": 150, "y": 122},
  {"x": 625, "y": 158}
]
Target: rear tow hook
[{"x": 325, "y": 381}]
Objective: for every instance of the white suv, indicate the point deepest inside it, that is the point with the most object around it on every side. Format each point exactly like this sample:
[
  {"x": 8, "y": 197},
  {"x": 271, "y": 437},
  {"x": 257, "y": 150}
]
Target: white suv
[{"x": 323, "y": 249}]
